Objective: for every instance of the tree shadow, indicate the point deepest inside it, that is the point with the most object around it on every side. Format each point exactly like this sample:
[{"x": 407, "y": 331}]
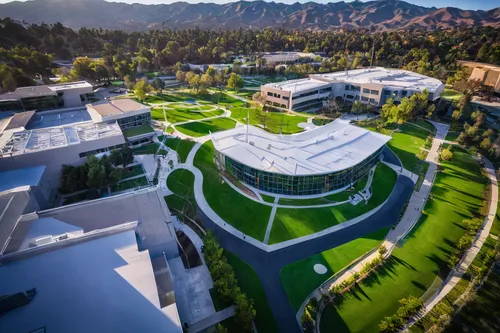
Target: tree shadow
[{"x": 419, "y": 285}]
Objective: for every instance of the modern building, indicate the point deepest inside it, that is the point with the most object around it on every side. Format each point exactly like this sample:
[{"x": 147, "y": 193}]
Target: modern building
[
  {"x": 47, "y": 97},
  {"x": 487, "y": 74},
  {"x": 372, "y": 86},
  {"x": 127, "y": 112},
  {"x": 322, "y": 160},
  {"x": 275, "y": 58}
]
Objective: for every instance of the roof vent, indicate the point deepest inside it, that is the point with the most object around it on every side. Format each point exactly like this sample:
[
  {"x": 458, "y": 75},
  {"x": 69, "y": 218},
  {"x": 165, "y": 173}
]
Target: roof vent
[
  {"x": 251, "y": 143},
  {"x": 269, "y": 146}
]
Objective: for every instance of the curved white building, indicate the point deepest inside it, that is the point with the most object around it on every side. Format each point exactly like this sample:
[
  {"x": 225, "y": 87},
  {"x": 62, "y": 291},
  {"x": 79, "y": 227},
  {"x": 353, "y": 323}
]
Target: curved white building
[
  {"x": 321, "y": 160},
  {"x": 370, "y": 86}
]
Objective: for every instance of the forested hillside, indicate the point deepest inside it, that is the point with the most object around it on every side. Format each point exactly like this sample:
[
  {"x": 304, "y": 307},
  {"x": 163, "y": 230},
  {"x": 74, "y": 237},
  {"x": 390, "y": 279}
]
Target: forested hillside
[{"x": 27, "y": 50}]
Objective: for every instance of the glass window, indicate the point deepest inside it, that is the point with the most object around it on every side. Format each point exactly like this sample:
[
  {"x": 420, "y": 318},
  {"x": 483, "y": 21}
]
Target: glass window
[
  {"x": 366, "y": 91},
  {"x": 374, "y": 92}
]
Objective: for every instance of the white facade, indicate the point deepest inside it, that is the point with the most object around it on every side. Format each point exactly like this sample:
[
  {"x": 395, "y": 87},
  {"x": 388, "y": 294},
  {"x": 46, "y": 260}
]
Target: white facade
[
  {"x": 371, "y": 86},
  {"x": 72, "y": 92},
  {"x": 116, "y": 109}
]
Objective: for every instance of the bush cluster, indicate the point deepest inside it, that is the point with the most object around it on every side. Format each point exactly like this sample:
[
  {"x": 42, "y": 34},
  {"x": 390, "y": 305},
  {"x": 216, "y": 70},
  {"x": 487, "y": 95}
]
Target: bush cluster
[
  {"x": 409, "y": 307},
  {"x": 310, "y": 312},
  {"x": 465, "y": 241},
  {"x": 226, "y": 284}
]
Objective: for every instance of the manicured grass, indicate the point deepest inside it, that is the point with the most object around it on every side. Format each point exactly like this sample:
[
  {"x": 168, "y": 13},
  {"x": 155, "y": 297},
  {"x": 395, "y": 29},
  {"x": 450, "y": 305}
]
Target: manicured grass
[
  {"x": 129, "y": 184},
  {"x": 117, "y": 83},
  {"x": 274, "y": 121},
  {"x": 132, "y": 171},
  {"x": 452, "y": 136},
  {"x": 181, "y": 181},
  {"x": 291, "y": 223},
  {"x": 413, "y": 267},
  {"x": 321, "y": 121},
  {"x": 299, "y": 279},
  {"x": 202, "y": 128},
  {"x": 150, "y": 148},
  {"x": 267, "y": 198},
  {"x": 450, "y": 94},
  {"x": 177, "y": 115},
  {"x": 336, "y": 197},
  {"x": 188, "y": 95},
  {"x": 246, "y": 215},
  {"x": 138, "y": 131},
  {"x": 425, "y": 124},
  {"x": 495, "y": 228},
  {"x": 250, "y": 284},
  {"x": 182, "y": 147}
]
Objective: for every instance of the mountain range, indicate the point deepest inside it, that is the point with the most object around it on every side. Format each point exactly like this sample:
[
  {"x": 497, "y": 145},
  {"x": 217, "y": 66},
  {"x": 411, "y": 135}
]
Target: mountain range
[{"x": 377, "y": 15}]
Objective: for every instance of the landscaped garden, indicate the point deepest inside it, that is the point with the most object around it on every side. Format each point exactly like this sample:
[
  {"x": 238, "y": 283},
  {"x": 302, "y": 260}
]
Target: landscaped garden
[
  {"x": 299, "y": 278},
  {"x": 179, "y": 114},
  {"x": 291, "y": 223},
  {"x": 451, "y": 95},
  {"x": 274, "y": 122},
  {"x": 248, "y": 216},
  {"x": 182, "y": 202},
  {"x": 182, "y": 147},
  {"x": 144, "y": 129},
  {"x": 197, "y": 129},
  {"x": 421, "y": 260}
]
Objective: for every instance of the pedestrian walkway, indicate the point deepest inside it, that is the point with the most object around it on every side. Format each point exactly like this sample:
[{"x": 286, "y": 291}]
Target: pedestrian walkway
[
  {"x": 212, "y": 320},
  {"x": 411, "y": 216},
  {"x": 402, "y": 171},
  {"x": 271, "y": 219},
  {"x": 469, "y": 256}
]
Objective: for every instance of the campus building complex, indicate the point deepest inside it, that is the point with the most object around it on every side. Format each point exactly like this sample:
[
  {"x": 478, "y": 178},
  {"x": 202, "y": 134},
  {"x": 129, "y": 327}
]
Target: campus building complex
[
  {"x": 47, "y": 97},
  {"x": 321, "y": 160},
  {"x": 487, "y": 74},
  {"x": 372, "y": 86},
  {"x": 128, "y": 113}
]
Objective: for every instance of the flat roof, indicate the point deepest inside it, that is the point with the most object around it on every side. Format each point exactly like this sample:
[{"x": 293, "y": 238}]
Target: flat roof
[
  {"x": 56, "y": 117},
  {"x": 478, "y": 64},
  {"x": 20, "y": 120},
  {"x": 333, "y": 147},
  {"x": 28, "y": 141},
  {"x": 71, "y": 297},
  {"x": 396, "y": 78},
  {"x": 298, "y": 85},
  {"x": 117, "y": 107},
  {"x": 69, "y": 85},
  {"x": 44, "y": 90},
  {"x": 21, "y": 177}
]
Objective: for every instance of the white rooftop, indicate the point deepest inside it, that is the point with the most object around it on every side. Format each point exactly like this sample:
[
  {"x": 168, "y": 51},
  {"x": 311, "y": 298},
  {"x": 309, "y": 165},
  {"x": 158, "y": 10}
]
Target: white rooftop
[
  {"x": 69, "y": 85},
  {"x": 298, "y": 85},
  {"x": 384, "y": 76},
  {"x": 28, "y": 141},
  {"x": 100, "y": 285},
  {"x": 396, "y": 78},
  {"x": 326, "y": 149}
]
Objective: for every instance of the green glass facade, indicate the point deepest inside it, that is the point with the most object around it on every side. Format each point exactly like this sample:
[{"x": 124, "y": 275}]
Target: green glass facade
[{"x": 297, "y": 184}]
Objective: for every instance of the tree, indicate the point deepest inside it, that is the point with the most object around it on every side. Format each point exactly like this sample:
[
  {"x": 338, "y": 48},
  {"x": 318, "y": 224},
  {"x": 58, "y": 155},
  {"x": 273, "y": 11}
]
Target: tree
[
  {"x": 129, "y": 81},
  {"x": 127, "y": 155},
  {"x": 235, "y": 82},
  {"x": 456, "y": 116},
  {"x": 180, "y": 76},
  {"x": 333, "y": 107},
  {"x": 446, "y": 154},
  {"x": 485, "y": 144},
  {"x": 141, "y": 89},
  {"x": 159, "y": 84},
  {"x": 220, "y": 329},
  {"x": 357, "y": 108},
  {"x": 115, "y": 157},
  {"x": 194, "y": 82},
  {"x": 96, "y": 173}
]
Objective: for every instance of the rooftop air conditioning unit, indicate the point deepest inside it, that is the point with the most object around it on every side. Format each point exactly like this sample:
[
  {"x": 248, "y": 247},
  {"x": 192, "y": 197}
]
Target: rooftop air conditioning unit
[
  {"x": 269, "y": 146},
  {"x": 251, "y": 143}
]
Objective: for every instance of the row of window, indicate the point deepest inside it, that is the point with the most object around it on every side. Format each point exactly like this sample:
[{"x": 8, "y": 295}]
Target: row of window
[
  {"x": 297, "y": 185},
  {"x": 98, "y": 151},
  {"x": 351, "y": 87},
  {"x": 371, "y": 92},
  {"x": 134, "y": 121}
]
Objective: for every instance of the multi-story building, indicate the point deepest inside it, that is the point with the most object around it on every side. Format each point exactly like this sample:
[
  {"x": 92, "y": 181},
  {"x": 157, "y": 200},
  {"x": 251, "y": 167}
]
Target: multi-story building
[
  {"x": 323, "y": 160},
  {"x": 371, "y": 86},
  {"x": 128, "y": 113},
  {"x": 487, "y": 74},
  {"x": 46, "y": 97}
]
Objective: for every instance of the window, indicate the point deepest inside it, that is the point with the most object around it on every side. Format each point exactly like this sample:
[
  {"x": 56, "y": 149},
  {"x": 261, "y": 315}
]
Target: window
[
  {"x": 349, "y": 96},
  {"x": 374, "y": 92},
  {"x": 386, "y": 92},
  {"x": 364, "y": 99},
  {"x": 347, "y": 87},
  {"x": 269, "y": 93},
  {"x": 366, "y": 91},
  {"x": 373, "y": 101},
  {"x": 403, "y": 93},
  {"x": 357, "y": 97},
  {"x": 277, "y": 95},
  {"x": 286, "y": 98}
]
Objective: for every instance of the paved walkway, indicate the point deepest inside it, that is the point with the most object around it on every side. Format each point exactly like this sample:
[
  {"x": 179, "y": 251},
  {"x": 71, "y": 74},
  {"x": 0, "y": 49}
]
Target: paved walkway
[
  {"x": 212, "y": 320},
  {"x": 469, "y": 256},
  {"x": 411, "y": 216},
  {"x": 271, "y": 219}
]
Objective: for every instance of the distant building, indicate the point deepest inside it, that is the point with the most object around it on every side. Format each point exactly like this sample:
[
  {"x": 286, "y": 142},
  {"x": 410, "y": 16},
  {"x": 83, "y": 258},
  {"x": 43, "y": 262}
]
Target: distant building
[
  {"x": 371, "y": 86},
  {"x": 46, "y": 97},
  {"x": 325, "y": 159},
  {"x": 275, "y": 58},
  {"x": 487, "y": 74}
]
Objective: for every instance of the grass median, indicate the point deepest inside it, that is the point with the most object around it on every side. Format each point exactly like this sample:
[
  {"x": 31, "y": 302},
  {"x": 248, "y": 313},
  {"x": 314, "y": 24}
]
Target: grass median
[{"x": 202, "y": 128}]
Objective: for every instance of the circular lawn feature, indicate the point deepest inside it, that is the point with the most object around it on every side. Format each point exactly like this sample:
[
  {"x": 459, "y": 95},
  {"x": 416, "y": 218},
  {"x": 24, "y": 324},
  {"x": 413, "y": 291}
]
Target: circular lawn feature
[{"x": 320, "y": 269}]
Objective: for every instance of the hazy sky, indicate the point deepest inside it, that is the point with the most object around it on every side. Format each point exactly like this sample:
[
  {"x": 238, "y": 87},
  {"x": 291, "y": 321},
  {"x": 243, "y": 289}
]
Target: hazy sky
[{"x": 464, "y": 4}]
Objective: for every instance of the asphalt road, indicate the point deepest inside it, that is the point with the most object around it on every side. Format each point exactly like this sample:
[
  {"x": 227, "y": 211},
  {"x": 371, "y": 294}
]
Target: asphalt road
[{"x": 268, "y": 265}]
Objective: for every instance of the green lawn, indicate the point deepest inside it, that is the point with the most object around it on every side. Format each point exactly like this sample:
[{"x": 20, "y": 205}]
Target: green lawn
[
  {"x": 150, "y": 148},
  {"x": 267, "y": 198},
  {"x": 177, "y": 115},
  {"x": 138, "y": 131},
  {"x": 182, "y": 147},
  {"x": 191, "y": 96},
  {"x": 132, "y": 171},
  {"x": 336, "y": 197},
  {"x": 129, "y": 184},
  {"x": 450, "y": 94},
  {"x": 406, "y": 145},
  {"x": 425, "y": 124},
  {"x": 246, "y": 215},
  {"x": 250, "y": 284},
  {"x": 413, "y": 267},
  {"x": 452, "y": 136},
  {"x": 291, "y": 223},
  {"x": 275, "y": 121},
  {"x": 299, "y": 279},
  {"x": 196, "y": 129}
]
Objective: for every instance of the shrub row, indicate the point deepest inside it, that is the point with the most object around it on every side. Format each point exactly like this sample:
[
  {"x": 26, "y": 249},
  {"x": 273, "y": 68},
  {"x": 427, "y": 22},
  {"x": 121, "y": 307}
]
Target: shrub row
[
  {"x": 226, "y": 284},
  {"x": 410, "y": 306},
  {"x": 465, "y": 241}
]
